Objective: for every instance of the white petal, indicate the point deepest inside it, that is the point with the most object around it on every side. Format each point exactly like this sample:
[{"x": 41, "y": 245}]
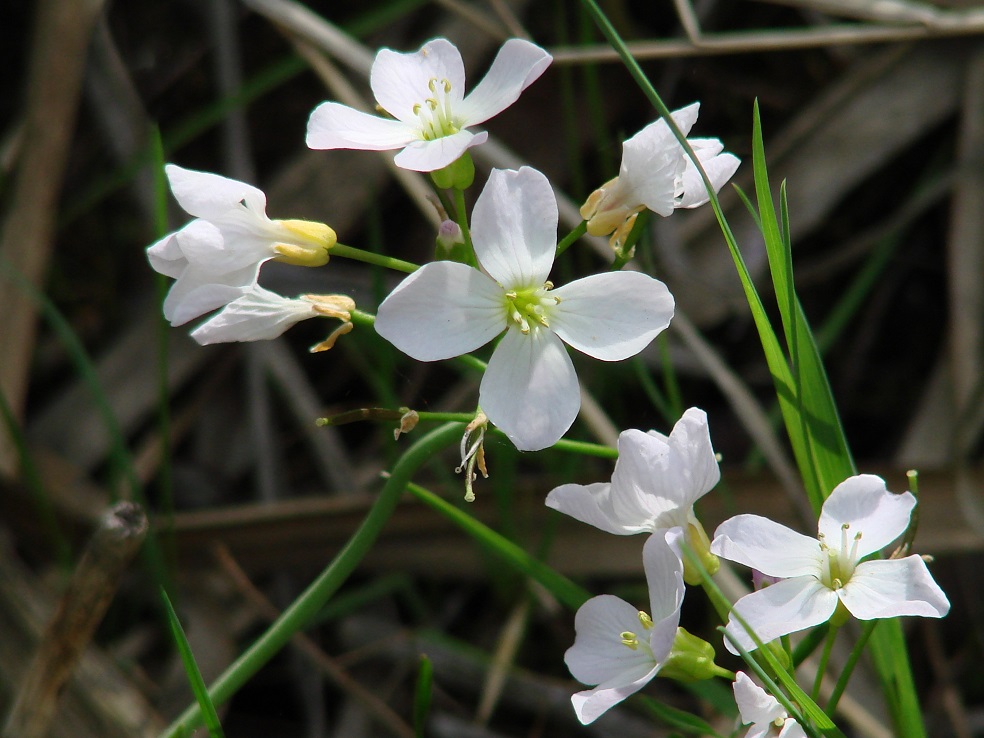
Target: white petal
[
  {"x": 765, "y": 545},
  {"x": 592, "y": 704},
  {"x": 514, "y": 227},
  {"x": 591, "y": 504},
  {"x": 791, "y": 729},
  {"x": 336, "y": 126},
  {"x": 258, "y": 315},
  {"x": 207, "y": 195},
  {"x": 661, "y": 559},
  {"x": 401, "y": 80},
  {"x": 719, "y": 167},
  {"x": 651, "y": 162},
  {"x": 217, "y": 250},
  {"x": 530, "y": 390},
  {"x": 781, "y": 608},
  {"x": 612, "y": 316},
  {"x": 444, "y": 309},
  {"x": 893, "y": 587},
  {"x": 598, "y": 654},
  {"x": 754, "y": 703},
  {"x": 517, "y": 65},
  {"x": 165, "y": 257},
  {"x": 864, "y": 503},
  {"x": 197, "y": 292},
  {"x": 429, "y": 156}
]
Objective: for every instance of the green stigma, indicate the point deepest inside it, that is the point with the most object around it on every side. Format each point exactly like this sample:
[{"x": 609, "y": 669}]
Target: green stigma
[{"x": 530, "y": 307}]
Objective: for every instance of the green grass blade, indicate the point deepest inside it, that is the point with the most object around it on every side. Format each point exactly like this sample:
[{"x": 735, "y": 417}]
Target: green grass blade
[
  {"x": 210, "y": 716},
  {"x": 422, "y": 696}
]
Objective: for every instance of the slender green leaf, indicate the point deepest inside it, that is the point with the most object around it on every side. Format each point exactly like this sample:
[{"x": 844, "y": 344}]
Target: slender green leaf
[
  {"x": 422, "y": 695},
  {"x": 675, "y": 718}
]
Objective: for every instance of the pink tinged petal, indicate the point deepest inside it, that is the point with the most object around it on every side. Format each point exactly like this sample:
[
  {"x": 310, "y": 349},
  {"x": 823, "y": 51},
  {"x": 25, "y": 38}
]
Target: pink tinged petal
[
  {"x": 514, "y": 227},
  {"x": 591, "y": 504},
  {"x": 530, "y": 389},
  {"x": 765, "y": 545},
  {"x": 785, "y": 607},
  {"x": 518, "y": 64},
  {"x": 401, "y": 80},
  {"x": 166, "y": 258},
  {"x": 754, "y": 703},
  {"x": 867, "y": 506},
  {"x": 444, "y": 309},
  {"x": 258, "y": 315},
  {"x": 663, "y": 564},
  {"x": 612, "y": 316},
  {"x": 598, "y": 654},
  {"x": 429, "y": 156},
  {"x": 592, "y": 704},
  {"x": 207, "y": 195},
  {"x": 335, "y": 126},
  {"x": 893, "y": 587}
]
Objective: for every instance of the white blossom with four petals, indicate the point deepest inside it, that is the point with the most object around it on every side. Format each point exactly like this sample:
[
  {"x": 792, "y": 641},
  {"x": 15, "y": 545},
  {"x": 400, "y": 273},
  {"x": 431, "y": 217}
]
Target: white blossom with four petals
[
  {"x": 217, "y": 256},
  {"x": 766, "y": 715},
  {"x": 657, "y": 174},
  {"x": 423, "y": 91},
  {"x": 619, "y": 648},
  {"x": 657, "y": 480},
  {"x": 859, "y": 518},
  {"x": 445, "y": 309}
]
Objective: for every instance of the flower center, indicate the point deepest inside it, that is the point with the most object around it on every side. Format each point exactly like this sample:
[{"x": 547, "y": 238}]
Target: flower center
[
  {"x": 530, "y": 307},
  {"x": 839, "y": 564},
  {"x": 434, "y": 113},
  {"x": 630, "y": 640}
]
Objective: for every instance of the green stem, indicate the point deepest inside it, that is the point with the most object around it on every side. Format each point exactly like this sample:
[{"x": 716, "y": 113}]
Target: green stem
[
  {"x": 567, "y": 241},
  {"x": 824, "y": 659},
  {"x": 461, "y": 218},
  {"x": 350, "y": 252},
  {"x": 300, "y": 613},
  {"x": 585, "y": 448},
  {"x": 852, "y": 661}
]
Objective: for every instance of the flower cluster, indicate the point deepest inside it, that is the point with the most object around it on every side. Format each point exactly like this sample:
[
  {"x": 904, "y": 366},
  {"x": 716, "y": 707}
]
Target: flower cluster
[{"x": 492, "y": 284}]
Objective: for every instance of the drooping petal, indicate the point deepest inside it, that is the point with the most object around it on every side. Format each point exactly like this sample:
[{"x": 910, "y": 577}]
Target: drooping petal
[
  {"x": 893, "y": 587},
  {"x": 402, "y": 80},
  {"x": 754, "y": 703},
  {"x": 258, "y": 315},
  {"x": 781, "y": 608},
  {"x": 866, "y": 505},
  {"x": 514, "y": 227},
  {"x": 663, "y": 564},
  {"x": 336, "y": 126},
  {"x": 208, "y": 195},
  {"x": 530, "y": 390},
  {"x": 765, "y": 545},
  {"x": 591, "y": 504},
  {"x": 719, "y": 167},
  {"x": 593, "y": 703},
  {"x": 197, "y": 292},
  {"x": 444, "y": 309},
  {"x": 612, "y": 316},
  {"x": 166, "y": 257},
  {"x": 518, "y": 64},
  {"x": 429, "y": 156}
]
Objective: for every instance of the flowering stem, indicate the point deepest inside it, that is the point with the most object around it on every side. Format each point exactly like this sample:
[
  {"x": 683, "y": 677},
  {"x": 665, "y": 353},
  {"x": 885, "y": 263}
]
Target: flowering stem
[
  {"x": 461, "y": 217},
  {"x": 848, "y": 669},
  {"x": 828, "y": 646},
  {"x": 570, "y": 238},
  {"x": 350, "y": 252},
  {"x": 299, "y": 614}
]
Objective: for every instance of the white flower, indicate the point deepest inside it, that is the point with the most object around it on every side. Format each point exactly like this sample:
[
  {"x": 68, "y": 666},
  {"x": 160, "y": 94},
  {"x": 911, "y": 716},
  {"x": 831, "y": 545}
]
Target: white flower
[
  {"x": 424, "y": 94},
  {"x": 259, "y": 315},
  {"x": 858, "y": 519},
  {"x": 218, "y": 255},
  {"x": 654, "y": 486},
  {"x": 657, "y": 174},
  {"x": 446, "y": 309},
  {"x": 769, "y": 719},
  {"x": 620, "y": 648}
]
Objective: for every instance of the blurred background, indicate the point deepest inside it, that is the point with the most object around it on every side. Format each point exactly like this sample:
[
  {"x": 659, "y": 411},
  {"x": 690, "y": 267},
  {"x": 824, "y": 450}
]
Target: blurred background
[{"x": 873, "y": 112}]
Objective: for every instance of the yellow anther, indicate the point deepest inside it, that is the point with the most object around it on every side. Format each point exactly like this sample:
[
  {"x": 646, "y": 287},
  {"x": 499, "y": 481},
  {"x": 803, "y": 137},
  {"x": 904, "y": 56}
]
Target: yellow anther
[
  {"x": 647, "y": 622},
  {"x": 629, "y": 639},
  {"x": 416, "y": 109}
]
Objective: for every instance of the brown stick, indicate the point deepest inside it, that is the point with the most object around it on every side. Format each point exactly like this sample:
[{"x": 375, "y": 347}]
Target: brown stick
[
  {"x": 114, "y": 543},
  {"x": 57, "y": 62}
]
